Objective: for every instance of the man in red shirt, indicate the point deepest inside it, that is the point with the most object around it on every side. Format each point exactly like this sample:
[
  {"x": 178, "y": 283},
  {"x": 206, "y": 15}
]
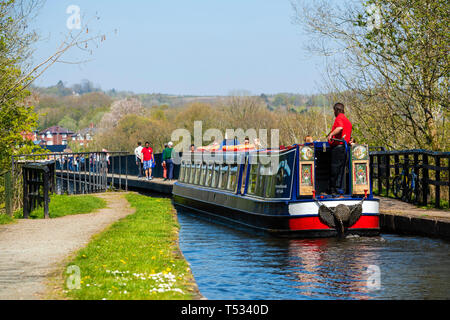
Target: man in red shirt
[
  {"x": 148, "y": 160},
  {"x": 342, "y": 129}
]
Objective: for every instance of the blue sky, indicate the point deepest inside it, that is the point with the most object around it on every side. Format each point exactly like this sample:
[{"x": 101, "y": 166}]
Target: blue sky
[{"x": 198, "y": 47}]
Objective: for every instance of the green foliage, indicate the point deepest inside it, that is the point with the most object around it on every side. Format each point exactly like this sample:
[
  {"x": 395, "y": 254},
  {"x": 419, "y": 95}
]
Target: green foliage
[
  {"x": 388, "y": 62},
  {"x": 72, "y": 112},
  {"x": 16, "y": 112},
  {"x": 64, "y": 205},
  {"x": 408, "y": 50},
  {"x": 134, "y": 257},
  {"x": 5, "y": 219},
  {"x": 68, "y": 123}
]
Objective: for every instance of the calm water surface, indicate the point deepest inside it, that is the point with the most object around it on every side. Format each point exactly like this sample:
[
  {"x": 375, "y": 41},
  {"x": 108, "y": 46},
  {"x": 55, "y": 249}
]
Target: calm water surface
[{"x": 232, "y": 264}]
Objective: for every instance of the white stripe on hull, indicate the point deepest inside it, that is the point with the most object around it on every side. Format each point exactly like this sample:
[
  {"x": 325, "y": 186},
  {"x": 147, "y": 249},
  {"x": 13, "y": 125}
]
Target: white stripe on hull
[{"x": 312, "y": 208}]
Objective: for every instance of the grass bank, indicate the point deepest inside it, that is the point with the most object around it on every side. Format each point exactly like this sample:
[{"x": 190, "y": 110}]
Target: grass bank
[
  {"x": 60, "y": 206},
  {"x": 5, "y": 219},
  {"x": 136, "y": 258},
  {"x": 64, "y": 205}
]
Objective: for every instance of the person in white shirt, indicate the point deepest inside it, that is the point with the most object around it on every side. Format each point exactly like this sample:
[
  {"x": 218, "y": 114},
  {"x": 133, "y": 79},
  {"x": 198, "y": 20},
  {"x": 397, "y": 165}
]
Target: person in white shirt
[{"x": 138, "y": 154}]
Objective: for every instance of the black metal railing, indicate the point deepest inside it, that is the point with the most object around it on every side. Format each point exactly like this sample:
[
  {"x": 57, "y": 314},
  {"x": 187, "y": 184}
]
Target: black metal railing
[
  {"x": 5, "y": 193},
  {"x": 38, "y": 184},
  {"x": 76, "y": 173},
  {"x": 418, "y": 176},
  {"x": 126, "y": 163}
]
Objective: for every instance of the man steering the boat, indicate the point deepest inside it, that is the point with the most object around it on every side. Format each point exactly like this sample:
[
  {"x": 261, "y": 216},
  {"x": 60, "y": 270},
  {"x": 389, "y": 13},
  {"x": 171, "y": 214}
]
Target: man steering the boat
[{"x": 342, "y": 130}]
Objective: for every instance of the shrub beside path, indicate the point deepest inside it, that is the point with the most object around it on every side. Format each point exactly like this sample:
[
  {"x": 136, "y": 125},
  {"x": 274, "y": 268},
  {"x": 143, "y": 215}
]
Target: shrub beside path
[{"x": 32, "y": 250}]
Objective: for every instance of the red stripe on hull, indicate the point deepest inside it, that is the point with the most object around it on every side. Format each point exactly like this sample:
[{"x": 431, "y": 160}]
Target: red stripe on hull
[
  {"x": 367, "y": 222},
  {"x": 314, "y": 223}
]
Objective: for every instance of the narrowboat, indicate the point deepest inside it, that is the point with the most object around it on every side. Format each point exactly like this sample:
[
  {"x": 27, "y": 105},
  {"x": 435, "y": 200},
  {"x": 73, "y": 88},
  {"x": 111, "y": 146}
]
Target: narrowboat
[{"x": 280, "y": 192}]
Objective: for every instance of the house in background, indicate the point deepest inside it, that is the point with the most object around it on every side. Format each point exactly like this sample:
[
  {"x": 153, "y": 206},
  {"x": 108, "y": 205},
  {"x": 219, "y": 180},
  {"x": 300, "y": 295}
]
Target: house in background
[
  {"x": 32, "y": 136},
  {"x": 84, "y": 136},
  {"x": 55, "y": 135}
]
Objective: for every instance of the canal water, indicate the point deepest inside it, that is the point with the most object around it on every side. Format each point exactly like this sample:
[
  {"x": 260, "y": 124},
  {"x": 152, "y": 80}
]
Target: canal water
[{"x": 232, "y": 264}]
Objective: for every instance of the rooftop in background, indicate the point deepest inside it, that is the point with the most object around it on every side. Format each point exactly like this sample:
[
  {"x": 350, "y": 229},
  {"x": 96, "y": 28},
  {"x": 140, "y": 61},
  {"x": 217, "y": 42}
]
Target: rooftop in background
[{"x": 57, "y": 130}]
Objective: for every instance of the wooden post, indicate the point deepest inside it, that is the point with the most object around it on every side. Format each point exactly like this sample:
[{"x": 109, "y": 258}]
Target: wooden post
[
  {"x": 416, "y": 171},
  {"x": 425, "y": 178},
  {"x": 396, "y": 163},
  {"x": 46, "y": 180},
  {"x": 448, "y": 179},
  {"x": 90, "y": 177},
  {"x": 437, "y": 161},
  {"x": 406, "y": 166},
  {"x": 86, "y": 163},
  {"x": 380, "y": 182},
  {"x": 8, "y": 194},
  {"x": 26, "y": 208},
  {"x": 53, "y": 177},
  {"x": 31, "y": 189},
  {"x": 112, "y": 173},
  {"x": 388, "y": 173},
  {"x": 13, "y": 178},
  {"x": 120, "y": 171},
  {"x": 126, "y": 172}
]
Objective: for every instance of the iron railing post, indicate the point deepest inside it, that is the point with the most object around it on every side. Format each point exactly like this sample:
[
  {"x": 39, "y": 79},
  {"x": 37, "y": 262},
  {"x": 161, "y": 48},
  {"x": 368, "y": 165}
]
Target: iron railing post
[
  {"x": 126, "y": 172},
  {"x": 8, "y": 194}
]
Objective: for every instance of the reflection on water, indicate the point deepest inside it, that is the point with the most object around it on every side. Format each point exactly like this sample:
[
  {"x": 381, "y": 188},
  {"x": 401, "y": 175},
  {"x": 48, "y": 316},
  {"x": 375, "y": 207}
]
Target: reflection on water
[{"x": 231, "y": 264}]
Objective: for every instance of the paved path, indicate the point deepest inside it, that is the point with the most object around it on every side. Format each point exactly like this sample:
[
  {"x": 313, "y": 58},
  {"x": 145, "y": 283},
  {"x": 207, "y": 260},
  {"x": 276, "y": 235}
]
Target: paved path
[
  {"x": 396, "y": 207},
  {"x": 32, "y": 250}
]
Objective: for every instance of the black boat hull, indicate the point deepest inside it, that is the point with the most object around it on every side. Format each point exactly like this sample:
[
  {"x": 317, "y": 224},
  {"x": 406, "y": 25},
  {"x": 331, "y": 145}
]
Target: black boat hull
[{"x": 262, "y": 216}]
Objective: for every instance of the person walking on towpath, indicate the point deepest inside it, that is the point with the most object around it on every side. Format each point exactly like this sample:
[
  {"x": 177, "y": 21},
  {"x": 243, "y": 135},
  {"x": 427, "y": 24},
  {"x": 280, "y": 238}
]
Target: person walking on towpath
[
  {"x": 164, "y": 165},
  {"x": 167, "y": 160},
  {"x": 342, "y": 129},
  {"x": 148, "y": 160},
  {"x": 138, "y": 154}
]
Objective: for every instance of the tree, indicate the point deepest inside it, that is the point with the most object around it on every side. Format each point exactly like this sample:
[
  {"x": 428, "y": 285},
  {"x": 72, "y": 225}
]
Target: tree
[
  {"x": 69, "y": 123},
  {"x": 119, "y": 109},
  {"x": 390, "y": 63},
  {"x": 16, "y": 113},
  {"x": 17, "y": 74}
]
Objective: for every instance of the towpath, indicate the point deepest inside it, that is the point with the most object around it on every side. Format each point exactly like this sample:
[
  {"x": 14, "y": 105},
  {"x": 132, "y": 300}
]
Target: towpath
[
  {"x": 396, "y": 207},
  {"x": 400, "y": 217},
  {"x": 33, "y": 250}
]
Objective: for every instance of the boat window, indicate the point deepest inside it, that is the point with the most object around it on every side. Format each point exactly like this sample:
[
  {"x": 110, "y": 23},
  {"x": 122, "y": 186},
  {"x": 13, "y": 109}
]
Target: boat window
[
  {"x": 187, "y": 172},
  {"x": 215, "y": 176},
  {"x": 203, "y": 175},
  {"x": 192, "y": 176},
  {"x": 270, "y": 186},
  {"x": 271, "y": 179},
  {"x": 267, "y": 187},
  {"x": 244, "y": 176},
  {"x": 233, "y": 177},
  {"x": 209, "y": 174},
  {"x": 283, "y": 180},
  {"x": 223, "y": 176},
  {"x": 182, "y": 169},
  {"x": 252, "y": 178},
  {"x": 264, "y": 170},
  {"x": 198, "y": 169}
]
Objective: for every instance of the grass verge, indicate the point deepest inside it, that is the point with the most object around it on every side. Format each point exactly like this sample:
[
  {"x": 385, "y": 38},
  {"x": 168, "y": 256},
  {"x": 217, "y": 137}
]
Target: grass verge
[
  {"x": 5, "y": 219},
  {"x": 64, "y": 205},
  {"x": 136, "y": 258}
]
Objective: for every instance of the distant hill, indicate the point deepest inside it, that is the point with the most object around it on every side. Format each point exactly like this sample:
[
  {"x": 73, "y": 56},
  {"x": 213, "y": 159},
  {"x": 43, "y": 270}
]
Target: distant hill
[
  {"x": 76, "y": 107},
  {"x": 151, "y": 99}
]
